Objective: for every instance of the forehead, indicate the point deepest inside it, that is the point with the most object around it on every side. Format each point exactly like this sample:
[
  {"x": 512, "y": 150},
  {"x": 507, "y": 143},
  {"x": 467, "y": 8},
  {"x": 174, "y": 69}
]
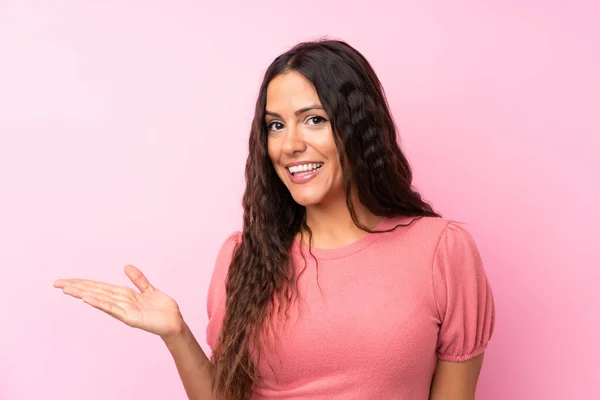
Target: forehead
[{"x": 290, "y": 92}]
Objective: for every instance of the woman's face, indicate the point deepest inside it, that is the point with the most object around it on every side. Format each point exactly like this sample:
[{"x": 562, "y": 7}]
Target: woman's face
[{"x": 300, "y": 141}]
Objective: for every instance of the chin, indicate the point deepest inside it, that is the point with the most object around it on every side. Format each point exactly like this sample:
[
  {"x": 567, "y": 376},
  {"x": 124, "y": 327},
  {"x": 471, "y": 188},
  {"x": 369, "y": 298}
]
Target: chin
[
  {"x": 307, "y": 200},
  {"x": 307, "y": 196}
]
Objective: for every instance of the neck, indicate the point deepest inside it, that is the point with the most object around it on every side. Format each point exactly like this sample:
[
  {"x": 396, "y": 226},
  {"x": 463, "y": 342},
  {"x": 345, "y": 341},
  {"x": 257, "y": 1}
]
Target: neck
[{"x": 332, "y": 225}]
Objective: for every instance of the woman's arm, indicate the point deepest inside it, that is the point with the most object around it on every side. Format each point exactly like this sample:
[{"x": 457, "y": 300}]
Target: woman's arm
[
  {"x": 155, "y": 312},
  {"x": 193, "y": 365},
  {"x": 456, "y": 380}
]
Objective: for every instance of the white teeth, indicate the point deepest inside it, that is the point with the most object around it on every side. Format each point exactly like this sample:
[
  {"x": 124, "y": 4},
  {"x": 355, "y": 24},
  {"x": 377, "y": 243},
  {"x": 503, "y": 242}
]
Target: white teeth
[{"x": 304, "y": 167}]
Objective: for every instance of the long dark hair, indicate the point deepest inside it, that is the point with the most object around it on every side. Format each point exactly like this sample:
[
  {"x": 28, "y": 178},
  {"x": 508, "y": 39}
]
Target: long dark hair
[{"x": 372, "y": 161}]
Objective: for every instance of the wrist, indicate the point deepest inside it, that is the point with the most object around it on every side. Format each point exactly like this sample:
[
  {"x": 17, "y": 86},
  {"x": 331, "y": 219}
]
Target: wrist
[{"x": 177, "y": 335}]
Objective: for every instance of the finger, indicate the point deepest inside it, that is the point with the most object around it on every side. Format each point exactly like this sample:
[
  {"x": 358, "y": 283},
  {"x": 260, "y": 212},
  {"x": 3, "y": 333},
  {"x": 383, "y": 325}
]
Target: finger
[
  {"x": 99, "y": 287},
  {"x": 79, "y": 291},
  {"x": 139, "y": 280},
  {"x": 60, "y": 283},
  {"x": 73, "y": 292},
  {"x": 96, "y": 287},
  {"x": 85, "y": 288},
  {"x": 123, "y": 303},
  {"x": 108, "y": 307}
]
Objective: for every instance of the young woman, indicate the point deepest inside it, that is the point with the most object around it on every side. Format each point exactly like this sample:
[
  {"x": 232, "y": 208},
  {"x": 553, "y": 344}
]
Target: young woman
[{"x": 344, "y": 283}]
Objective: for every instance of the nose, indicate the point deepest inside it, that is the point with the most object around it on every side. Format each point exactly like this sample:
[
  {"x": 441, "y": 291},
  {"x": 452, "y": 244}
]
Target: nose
[{"x": 293, "y": 141}]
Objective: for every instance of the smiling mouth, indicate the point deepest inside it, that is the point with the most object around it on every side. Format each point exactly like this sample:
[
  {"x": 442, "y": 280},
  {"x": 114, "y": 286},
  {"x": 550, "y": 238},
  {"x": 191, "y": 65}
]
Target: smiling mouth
[{"x": 304, "y": 169}]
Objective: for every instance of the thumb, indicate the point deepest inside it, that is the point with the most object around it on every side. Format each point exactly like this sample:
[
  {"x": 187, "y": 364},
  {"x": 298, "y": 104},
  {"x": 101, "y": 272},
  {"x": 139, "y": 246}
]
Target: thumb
[{"x": 139, "y": 280}]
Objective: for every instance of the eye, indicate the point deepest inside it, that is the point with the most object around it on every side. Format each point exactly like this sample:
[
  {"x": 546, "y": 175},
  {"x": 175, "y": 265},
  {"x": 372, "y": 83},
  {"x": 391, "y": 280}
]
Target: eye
[
  {"x": 316, "y": 120},
  {"x": 275, "y": 126}
]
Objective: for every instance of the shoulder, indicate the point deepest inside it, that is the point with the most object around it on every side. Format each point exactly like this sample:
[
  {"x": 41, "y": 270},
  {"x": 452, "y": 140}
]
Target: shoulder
[
  {"x": 216, "y": 288},
  {"x": 451, "y": 241},
  {"x": 434, "y": 241},
  {"x": 438, "y": 227},
  {"x": 426, "y": 230},
  {"x": 226, "y": 253},
  {"x": 455, "y": 238},
  {"x": 229, "y": 245},
  {"x": 463, "y": 295}
]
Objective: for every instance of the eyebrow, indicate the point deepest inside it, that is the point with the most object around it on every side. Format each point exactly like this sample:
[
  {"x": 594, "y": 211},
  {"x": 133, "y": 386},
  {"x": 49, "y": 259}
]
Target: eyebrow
[{"x": 297, "y": 112}]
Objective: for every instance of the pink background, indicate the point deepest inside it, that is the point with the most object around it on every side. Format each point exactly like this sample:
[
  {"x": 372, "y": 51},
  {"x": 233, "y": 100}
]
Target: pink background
[{"x": 123, "y": 137}]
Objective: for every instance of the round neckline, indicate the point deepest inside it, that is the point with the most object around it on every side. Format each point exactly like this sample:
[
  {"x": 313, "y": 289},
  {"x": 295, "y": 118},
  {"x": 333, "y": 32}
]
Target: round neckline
[{"x": 351, "y": 248}]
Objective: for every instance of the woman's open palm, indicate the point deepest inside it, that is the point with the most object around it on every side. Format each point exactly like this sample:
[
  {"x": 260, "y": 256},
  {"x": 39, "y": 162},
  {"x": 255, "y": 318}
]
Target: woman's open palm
[{"x": 149, "y": 309}]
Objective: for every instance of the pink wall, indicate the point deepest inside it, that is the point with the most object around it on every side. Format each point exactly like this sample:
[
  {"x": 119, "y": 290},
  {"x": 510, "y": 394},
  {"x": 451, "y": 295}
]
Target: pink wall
[{"x": 123, "y": 138}]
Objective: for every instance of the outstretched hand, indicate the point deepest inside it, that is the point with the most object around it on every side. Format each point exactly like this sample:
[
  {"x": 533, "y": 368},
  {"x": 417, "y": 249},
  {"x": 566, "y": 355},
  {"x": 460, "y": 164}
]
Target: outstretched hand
[{"x": 149, "y": 309}]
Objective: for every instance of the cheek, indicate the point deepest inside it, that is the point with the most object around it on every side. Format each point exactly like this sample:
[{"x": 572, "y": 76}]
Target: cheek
[
  {"x": 331, "y": 152},
  {"x": 333, "y": 156},
  {"x": 274, "y": 153},
  {"x": 272, "y": 150},
  {"x": 324, "y": 143}
]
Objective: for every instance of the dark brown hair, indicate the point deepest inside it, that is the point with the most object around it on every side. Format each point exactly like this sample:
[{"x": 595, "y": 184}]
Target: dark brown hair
[{"x": 261, "y": 269}]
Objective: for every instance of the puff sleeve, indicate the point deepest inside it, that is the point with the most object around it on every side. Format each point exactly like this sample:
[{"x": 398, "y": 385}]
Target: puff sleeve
[
  {"x": 215, "y": 303},
  {"x": 463, "y": 296}
]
